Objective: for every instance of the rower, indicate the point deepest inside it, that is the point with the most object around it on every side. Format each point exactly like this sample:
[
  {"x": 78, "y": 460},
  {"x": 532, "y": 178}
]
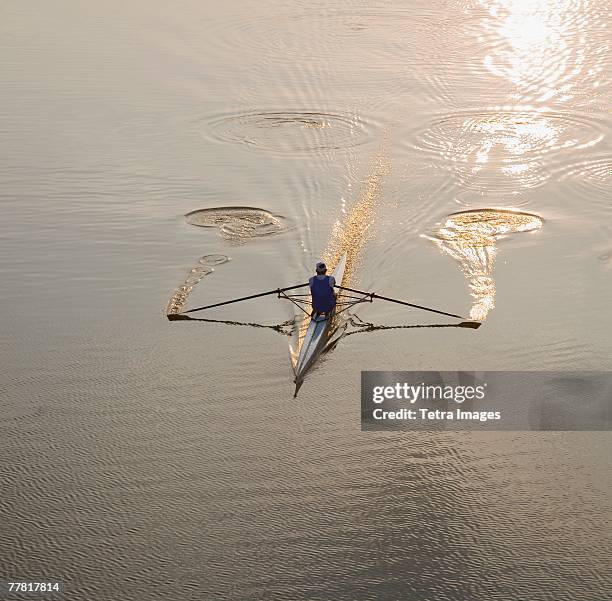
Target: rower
[{"x": 322, "y": 290}]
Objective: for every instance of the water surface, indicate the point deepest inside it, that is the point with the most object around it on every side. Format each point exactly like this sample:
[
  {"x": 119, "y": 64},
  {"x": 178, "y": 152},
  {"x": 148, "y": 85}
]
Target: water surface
[{"x": 155, "y": 459}]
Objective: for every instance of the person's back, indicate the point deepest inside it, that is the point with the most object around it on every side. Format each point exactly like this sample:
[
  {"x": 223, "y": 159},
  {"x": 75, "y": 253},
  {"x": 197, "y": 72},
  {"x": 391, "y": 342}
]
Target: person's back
[{"x": 322, "y": 290}]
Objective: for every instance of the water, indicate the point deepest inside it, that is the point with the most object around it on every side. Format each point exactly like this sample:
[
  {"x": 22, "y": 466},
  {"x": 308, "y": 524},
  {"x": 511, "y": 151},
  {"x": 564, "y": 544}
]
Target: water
[{"x": 153, "y": 459}]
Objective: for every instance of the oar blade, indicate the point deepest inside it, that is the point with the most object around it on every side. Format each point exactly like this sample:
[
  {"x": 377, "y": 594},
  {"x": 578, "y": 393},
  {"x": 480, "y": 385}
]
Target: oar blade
[
  {"x": 177, "y": 317},
  {"x": 470, "y": 324}
]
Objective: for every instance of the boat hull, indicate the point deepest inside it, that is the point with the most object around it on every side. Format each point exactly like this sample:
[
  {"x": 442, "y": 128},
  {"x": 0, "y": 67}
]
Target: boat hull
[{"x": 318, "y": 334}]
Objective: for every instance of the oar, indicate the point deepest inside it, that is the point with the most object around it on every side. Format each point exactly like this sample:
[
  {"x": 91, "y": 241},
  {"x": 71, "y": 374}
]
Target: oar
[
  {"x": 373, "y": 295},
  {"x": 244, "y": 298}
]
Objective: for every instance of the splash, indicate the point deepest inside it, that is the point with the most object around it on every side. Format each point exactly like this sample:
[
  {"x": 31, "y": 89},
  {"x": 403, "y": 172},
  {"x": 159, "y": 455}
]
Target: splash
[
  {"x": 240, "y": 224},
  {"x": 470, "y": 237},
  {"x": 351, "y": 234},
  {"x": 204, "y": 267}
]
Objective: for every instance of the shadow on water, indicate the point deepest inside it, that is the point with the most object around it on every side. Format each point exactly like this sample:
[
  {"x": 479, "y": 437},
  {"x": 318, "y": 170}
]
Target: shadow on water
[
  {"x": 281, "y": 328},
  {"x": 286, "y": 327},
  {"x": 366, "y": 327}
]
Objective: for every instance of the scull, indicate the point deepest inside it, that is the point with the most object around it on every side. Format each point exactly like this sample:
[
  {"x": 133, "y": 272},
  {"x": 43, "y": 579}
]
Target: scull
[
  {"x": 322, "y": 328},
  {"x": 318, "y": 333}
]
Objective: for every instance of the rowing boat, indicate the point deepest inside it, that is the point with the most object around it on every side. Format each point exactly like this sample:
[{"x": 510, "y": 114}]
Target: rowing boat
[
  {"x": 318, "y": 333},
  {"x": 320, "y": 329}
]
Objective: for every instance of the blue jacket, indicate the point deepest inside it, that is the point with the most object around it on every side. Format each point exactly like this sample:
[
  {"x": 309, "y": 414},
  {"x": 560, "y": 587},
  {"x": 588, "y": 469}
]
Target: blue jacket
[{"x": 323, "y": 298}]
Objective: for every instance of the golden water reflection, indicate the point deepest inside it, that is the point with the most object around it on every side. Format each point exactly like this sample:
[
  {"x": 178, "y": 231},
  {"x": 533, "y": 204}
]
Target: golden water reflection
[
  {"x": 350, "y": 234},
  {"x": 470, "y": 237},
  {"x": 545, "y": 47}
]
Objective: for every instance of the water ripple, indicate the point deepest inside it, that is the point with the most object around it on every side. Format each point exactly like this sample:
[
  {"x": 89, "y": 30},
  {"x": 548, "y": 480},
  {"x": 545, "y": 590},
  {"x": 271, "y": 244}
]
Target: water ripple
[
  {"x": 592, "y": 174},
  {"x": 291, "y": 132},
  {"x": 478, "y": 198},
  {"x": 503, "y": 149}
]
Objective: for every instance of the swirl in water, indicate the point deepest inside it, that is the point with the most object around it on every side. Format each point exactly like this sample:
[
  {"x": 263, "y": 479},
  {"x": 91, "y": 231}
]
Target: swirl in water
[
  {"x": 204, "y": 267},
  {"x": 470, "y": 237},
  {"x": 239, "y": 224}
]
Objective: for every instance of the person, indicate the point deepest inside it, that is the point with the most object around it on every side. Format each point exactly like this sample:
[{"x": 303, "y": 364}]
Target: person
[{"x": 322, "y": 290}]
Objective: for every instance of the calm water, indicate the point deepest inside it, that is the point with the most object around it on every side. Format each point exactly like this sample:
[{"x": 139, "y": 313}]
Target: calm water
[{"x": 149, "y": 459}]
